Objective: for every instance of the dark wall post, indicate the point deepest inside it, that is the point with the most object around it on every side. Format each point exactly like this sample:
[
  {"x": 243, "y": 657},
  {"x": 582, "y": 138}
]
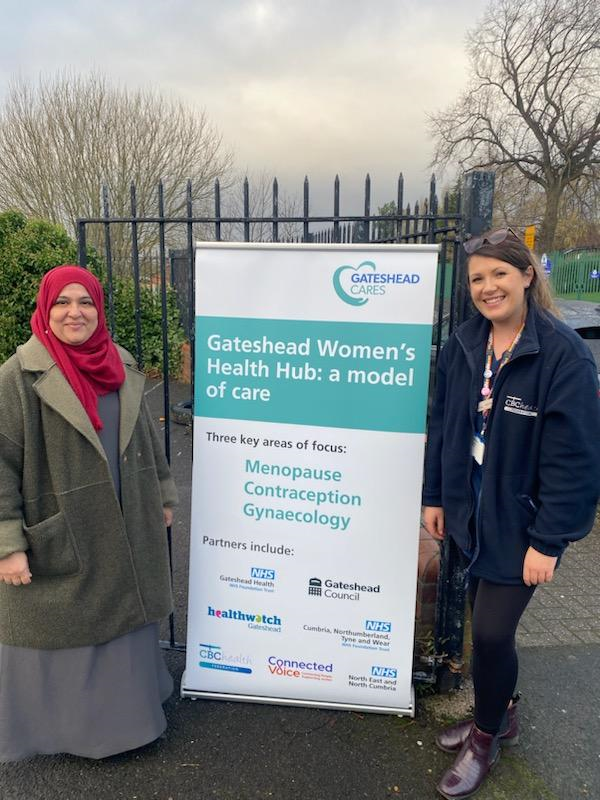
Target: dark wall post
[
  {"x": 478, "y": 198},
  {"x": 478, "y": 206}
]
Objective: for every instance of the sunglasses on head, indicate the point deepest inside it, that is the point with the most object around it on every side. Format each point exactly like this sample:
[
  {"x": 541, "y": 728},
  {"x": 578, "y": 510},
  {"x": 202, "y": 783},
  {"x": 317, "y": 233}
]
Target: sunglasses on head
[{"x": 473, "y": 244}]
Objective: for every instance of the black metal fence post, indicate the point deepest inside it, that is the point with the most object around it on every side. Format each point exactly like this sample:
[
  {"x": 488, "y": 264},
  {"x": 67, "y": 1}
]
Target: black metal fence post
[
  {"x": 135, "y": 263},
  {"x": 81, "y": 244},
  {"x": 477, "y": 199},
  {"x": 305, "y": 229},
  {"x": 399, "y": 206},
  {"x": 189, "y": 207},
  {"x": 275, "y": 193},
  {"x": 478, "y": 202},
  {"x": 109, "y": 260}
]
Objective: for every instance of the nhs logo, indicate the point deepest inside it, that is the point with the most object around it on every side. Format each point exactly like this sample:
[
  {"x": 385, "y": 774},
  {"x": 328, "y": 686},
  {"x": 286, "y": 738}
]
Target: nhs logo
[
  {"x": 384, "y": 672},
  {"x": 378, "y": 625},
  {"x": 262, "y": 574}
]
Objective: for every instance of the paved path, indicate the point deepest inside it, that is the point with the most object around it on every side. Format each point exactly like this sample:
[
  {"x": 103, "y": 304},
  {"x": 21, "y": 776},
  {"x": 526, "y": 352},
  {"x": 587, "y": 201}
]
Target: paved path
[
  {"x": 559, "y": 640},
  {"x": 567, "y": 611}
]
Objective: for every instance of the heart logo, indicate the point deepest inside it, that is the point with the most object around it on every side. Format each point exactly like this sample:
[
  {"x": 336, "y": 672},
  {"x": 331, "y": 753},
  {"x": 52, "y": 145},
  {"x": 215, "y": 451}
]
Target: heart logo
[{"x": 339, "y": 288}]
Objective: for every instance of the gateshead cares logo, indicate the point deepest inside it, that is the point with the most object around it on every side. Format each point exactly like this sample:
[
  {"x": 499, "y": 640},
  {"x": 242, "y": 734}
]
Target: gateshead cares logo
[{"x": 356, "y": 285}]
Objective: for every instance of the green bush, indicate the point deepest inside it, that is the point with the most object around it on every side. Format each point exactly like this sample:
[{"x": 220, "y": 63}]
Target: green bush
[
  {"x": 151, "y": 324},
  {"x": 30, "y": 247}
]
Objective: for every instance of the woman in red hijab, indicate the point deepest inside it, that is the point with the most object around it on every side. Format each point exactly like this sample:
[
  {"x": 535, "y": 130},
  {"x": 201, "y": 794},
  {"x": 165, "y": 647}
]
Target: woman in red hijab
[{"x": 85, "y": 494}]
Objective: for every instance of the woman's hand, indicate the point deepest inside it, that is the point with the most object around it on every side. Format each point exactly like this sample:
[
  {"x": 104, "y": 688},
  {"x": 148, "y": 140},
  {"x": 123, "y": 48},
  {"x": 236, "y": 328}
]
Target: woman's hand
[
  {"x": 168, "y": 516},
  {"x": 538, "y": 568},
  {"x": 433, "y": 519},
  {"x": 14, "y": 569}
]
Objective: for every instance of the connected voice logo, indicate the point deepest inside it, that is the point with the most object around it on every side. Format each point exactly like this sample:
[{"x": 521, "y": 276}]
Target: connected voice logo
[
  {"x": 356, "y": 285},
  {"x": 294, "y": 668}
]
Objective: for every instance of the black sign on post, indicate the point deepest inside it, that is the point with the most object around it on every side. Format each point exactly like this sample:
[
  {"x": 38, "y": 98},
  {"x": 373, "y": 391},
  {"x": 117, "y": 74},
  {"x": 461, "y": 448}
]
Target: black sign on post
[{"x": 478, "y": 203}]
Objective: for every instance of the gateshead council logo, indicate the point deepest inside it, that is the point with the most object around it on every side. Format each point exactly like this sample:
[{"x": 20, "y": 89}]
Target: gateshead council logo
[
  {"x": 356, "y": 285},
  {"x": 339, "y": 590}
]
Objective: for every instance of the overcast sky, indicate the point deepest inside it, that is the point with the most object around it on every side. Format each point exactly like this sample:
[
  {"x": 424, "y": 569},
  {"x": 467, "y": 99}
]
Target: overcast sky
[{"x": 295, "y": 88}]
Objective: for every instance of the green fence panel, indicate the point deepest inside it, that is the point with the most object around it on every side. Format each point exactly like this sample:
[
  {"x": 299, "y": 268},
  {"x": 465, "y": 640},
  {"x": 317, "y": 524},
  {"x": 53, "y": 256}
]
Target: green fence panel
[{"x": 576, "y": 276}]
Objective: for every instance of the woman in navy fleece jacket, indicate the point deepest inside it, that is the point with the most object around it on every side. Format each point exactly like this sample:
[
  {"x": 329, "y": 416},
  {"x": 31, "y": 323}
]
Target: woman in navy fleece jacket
[{"x": 512, "y": 473}]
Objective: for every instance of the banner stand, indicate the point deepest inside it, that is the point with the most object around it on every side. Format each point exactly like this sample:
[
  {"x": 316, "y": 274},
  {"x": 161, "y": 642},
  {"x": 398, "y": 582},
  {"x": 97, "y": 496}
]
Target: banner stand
[{"x": 312, "y": 367}]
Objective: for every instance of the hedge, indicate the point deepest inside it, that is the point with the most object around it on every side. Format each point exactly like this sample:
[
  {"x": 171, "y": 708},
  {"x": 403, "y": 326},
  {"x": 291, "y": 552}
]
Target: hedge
[{"x": 30, "y": 247}]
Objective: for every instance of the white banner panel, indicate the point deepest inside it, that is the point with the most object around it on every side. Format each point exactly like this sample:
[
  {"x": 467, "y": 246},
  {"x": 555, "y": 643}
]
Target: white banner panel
[{"x": 312, "y": 368}]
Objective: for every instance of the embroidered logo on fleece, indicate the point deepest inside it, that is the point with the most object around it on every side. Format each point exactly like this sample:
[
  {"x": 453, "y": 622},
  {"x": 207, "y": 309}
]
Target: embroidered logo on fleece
[{"x": 516, "y": 405}]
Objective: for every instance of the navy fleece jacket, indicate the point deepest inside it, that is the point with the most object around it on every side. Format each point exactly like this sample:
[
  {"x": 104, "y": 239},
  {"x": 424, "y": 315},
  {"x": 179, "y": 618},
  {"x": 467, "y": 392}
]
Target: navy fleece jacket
[{"x": 541, "y": 470}]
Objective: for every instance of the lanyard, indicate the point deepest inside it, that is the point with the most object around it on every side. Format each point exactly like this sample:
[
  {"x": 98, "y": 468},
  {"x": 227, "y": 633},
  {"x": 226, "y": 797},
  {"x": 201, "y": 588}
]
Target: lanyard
[{"x": 485, "y": 405}]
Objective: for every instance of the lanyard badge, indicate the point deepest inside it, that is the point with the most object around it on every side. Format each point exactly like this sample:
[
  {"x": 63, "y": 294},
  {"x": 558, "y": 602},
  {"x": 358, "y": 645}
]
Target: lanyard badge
[{"x": 485, "y": 404}]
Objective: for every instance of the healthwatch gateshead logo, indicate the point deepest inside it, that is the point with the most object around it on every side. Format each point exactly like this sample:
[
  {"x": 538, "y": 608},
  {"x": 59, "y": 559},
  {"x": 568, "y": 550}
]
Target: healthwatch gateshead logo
[
  {"x": 261, "y": 622},
  {"x": 356, "y": 285}
]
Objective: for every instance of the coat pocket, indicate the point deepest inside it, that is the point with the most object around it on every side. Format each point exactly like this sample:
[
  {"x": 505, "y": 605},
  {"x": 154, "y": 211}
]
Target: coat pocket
[
  {"x": 51, "y": 548},
  {"x": 526, "y": 502}
]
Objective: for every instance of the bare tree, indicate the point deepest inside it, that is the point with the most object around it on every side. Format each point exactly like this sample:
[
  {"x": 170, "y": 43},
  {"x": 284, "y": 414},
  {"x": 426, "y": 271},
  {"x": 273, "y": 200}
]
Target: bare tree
[
  {"x": 534, "y": 98},
  {"x": 519, "y": 202},
  {"x": 61, "y": 139}
]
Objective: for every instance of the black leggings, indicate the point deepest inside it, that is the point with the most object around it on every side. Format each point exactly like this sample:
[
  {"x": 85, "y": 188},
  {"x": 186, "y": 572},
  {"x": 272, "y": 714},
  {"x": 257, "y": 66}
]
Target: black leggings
[{"x": 497, "y": 610}]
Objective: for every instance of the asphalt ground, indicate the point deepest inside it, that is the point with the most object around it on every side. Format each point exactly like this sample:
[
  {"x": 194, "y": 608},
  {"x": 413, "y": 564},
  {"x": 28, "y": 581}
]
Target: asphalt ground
[{"x": 242, "y": 751}]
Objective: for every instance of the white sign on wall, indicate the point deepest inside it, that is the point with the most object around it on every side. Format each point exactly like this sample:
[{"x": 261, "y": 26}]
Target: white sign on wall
[{"x": 311, "y": 381}]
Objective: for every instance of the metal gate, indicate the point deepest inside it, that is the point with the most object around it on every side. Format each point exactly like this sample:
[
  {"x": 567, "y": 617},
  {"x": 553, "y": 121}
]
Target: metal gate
[{"x": 157, "y": 252}]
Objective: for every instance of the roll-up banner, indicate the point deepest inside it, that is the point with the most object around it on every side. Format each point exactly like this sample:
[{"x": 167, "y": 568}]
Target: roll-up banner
[{"x": 311, "y": 380}]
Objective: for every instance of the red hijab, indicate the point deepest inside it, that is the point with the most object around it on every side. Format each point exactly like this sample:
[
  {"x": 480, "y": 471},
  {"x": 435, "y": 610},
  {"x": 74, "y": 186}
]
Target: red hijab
[{"x": 93, "y": 368}]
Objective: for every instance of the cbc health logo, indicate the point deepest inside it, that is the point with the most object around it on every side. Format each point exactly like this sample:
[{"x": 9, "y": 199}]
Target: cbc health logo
[
  {"x": 212, "y": 656},
  {"x": 356, "y": 285}
]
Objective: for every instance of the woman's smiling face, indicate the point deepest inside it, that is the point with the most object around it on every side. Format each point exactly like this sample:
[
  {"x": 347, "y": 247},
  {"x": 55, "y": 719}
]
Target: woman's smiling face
[
  {"x": 73, "y": 317},
  {"x": 498, "y": 289}
]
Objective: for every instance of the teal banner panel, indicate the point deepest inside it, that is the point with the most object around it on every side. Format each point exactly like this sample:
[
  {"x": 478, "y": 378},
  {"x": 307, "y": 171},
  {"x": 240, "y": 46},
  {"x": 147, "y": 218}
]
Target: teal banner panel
[{"x": 367, "y": 376}]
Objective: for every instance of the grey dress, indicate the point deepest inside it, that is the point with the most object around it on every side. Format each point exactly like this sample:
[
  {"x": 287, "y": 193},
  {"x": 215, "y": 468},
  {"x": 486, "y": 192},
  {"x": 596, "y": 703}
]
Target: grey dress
[{"x": 91, "y": 701}]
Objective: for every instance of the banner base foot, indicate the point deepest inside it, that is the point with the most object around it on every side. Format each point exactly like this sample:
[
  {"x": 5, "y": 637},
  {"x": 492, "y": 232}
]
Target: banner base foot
[{"x": 196, "y": 694}]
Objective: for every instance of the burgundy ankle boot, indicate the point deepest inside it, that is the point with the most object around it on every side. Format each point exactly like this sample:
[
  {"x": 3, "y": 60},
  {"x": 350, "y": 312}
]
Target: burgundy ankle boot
[
  {"x": 477, "y": 756},
  {"x": 451, "y": 739}
]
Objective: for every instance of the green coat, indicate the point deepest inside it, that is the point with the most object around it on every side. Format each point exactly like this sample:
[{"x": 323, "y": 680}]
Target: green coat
[{"x": 99, "y": 570}]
